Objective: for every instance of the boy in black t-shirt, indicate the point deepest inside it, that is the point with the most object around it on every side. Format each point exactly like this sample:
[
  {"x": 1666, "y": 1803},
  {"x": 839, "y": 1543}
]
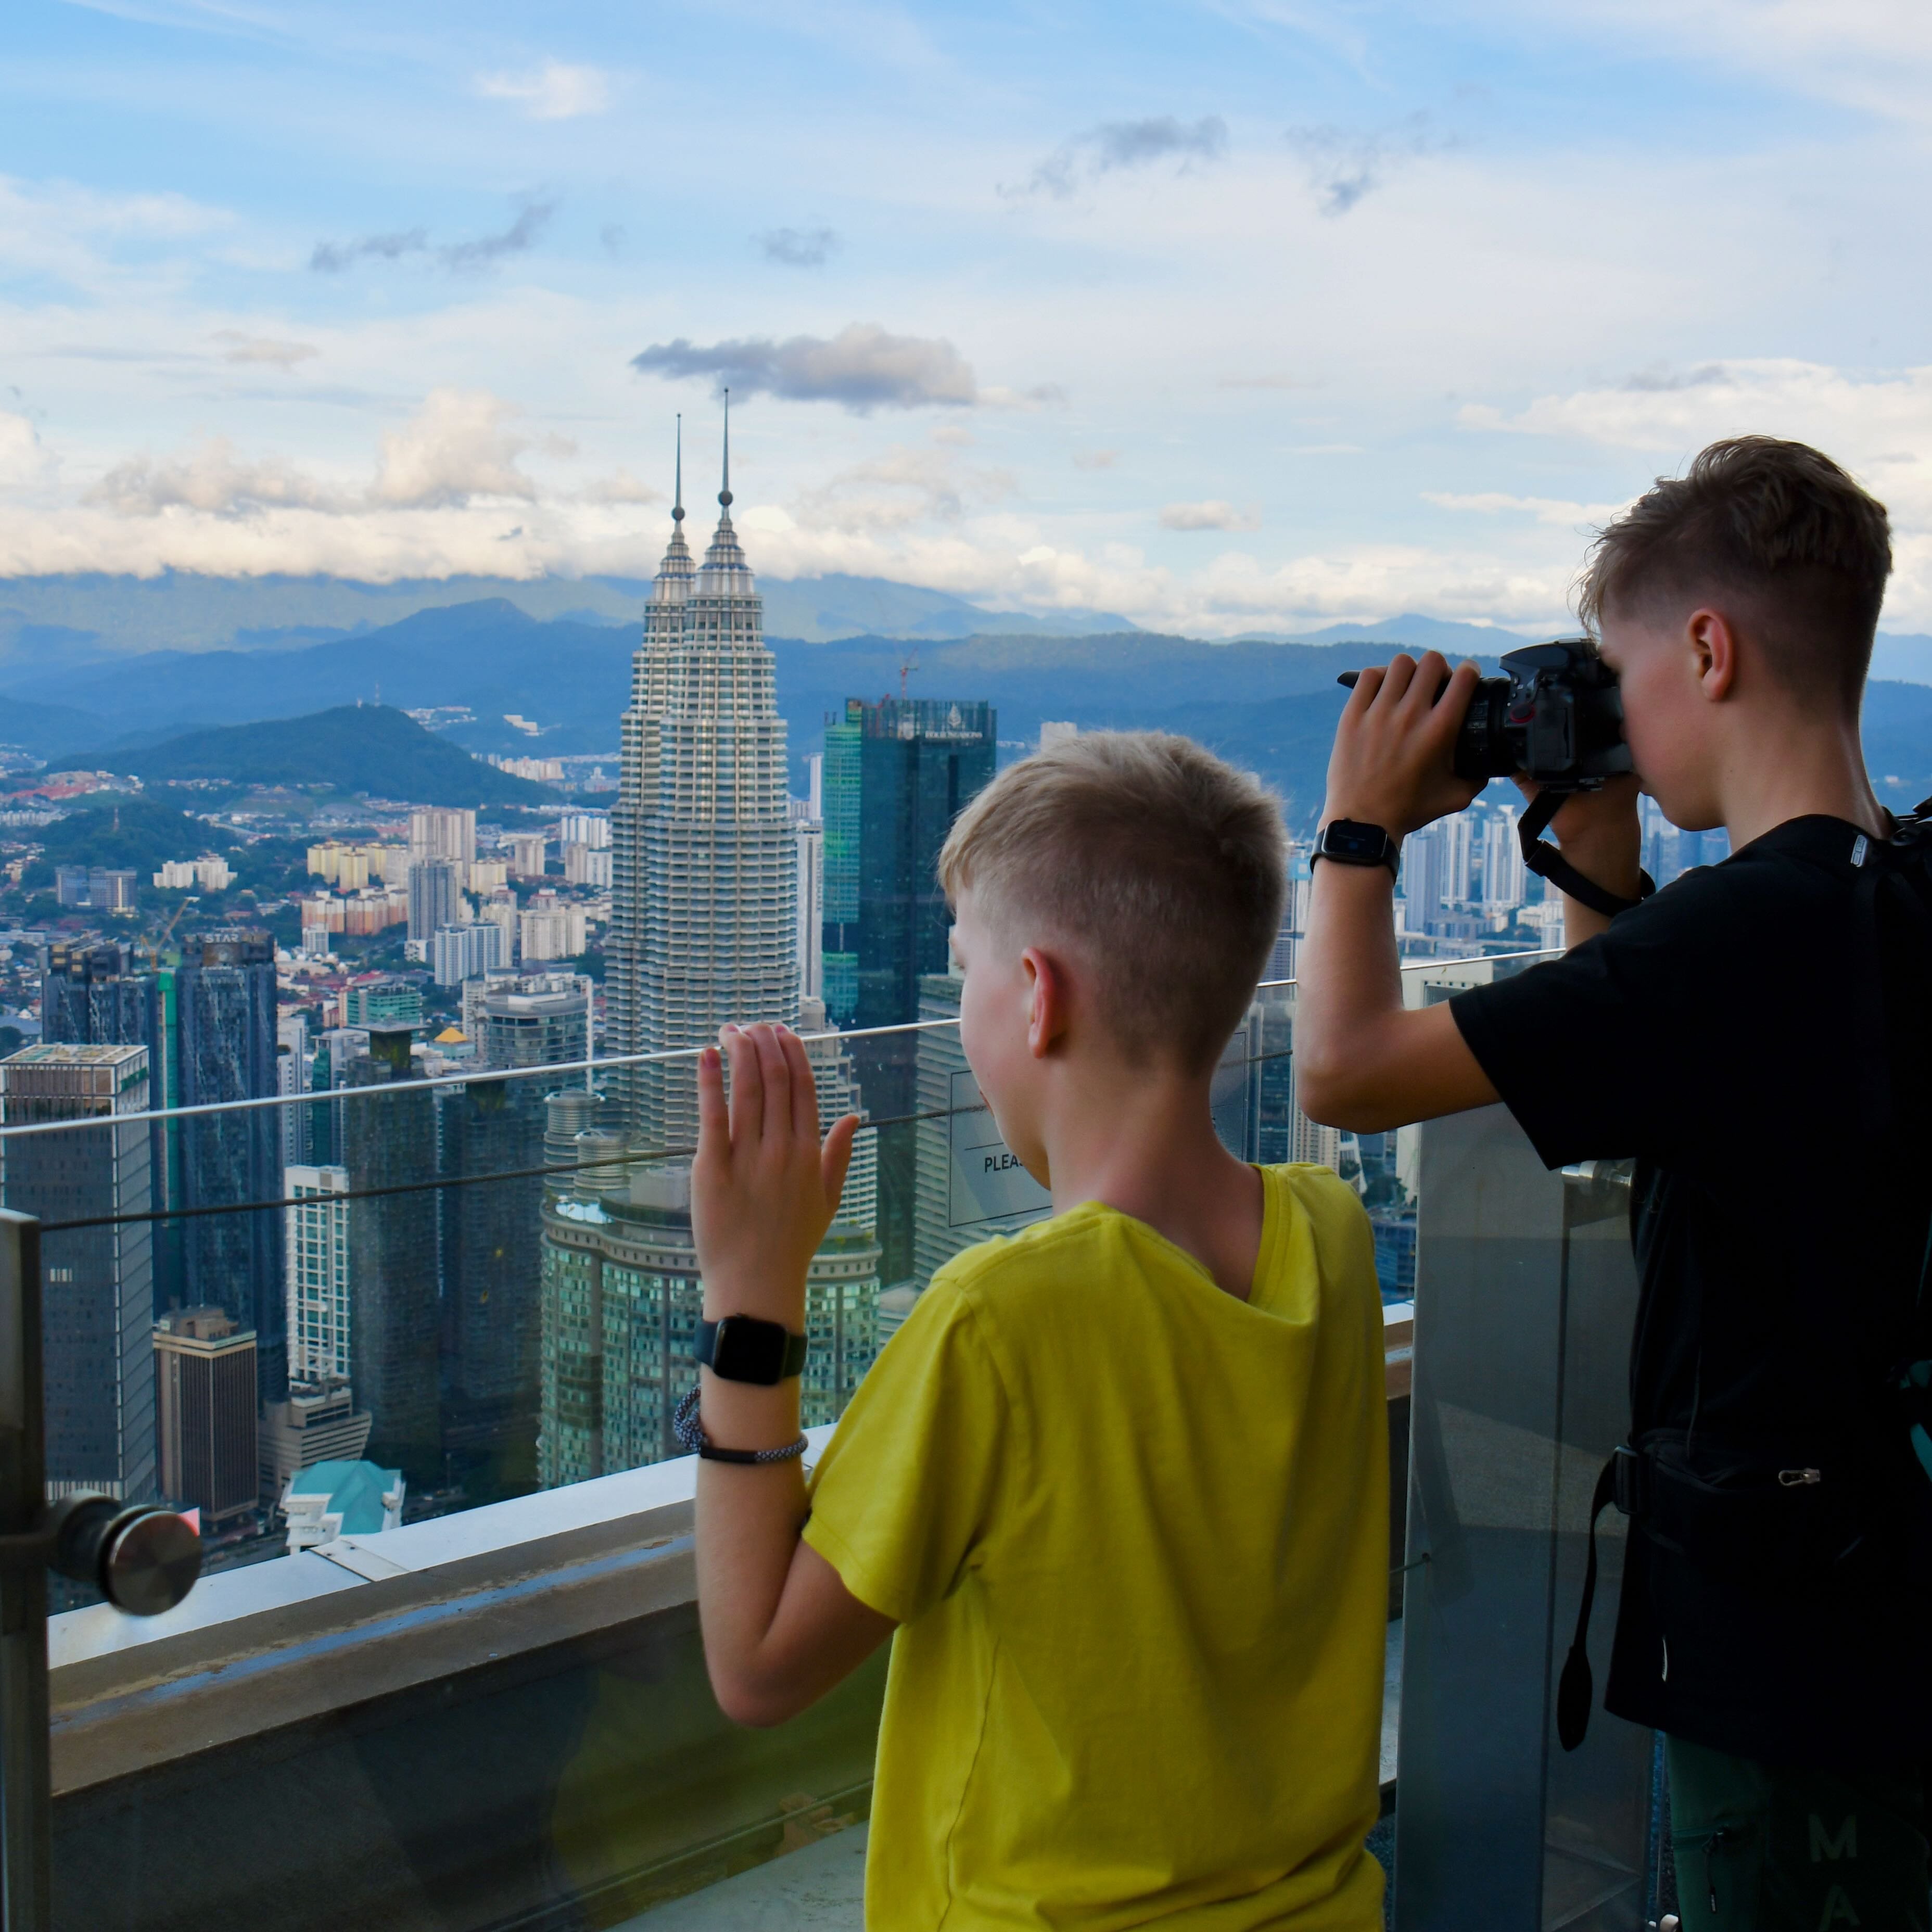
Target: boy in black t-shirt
[{"x": 1756, "y": 1036}]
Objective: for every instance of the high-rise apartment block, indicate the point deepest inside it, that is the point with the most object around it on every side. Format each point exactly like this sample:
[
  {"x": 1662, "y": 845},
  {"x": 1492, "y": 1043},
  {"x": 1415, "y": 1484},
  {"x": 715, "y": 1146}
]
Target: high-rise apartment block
[
  {"x": 528, "y": 1019},
  {"x": 585, "y": 828},
  {"x": 434, "y": 884},
  {"x": 97, "y": 1318},
  {"x": 204, "y": 1380},
  {"x": 460, "y": 952},
  {"x": 528, "y": 852},
  {"x": 320, "y": 1304},
  {"x": 98, "y": 889},
  {"x": 437, "y": 832},
  {"x": 383, "y": 1002},
  {"x": 225, "y": 999}
]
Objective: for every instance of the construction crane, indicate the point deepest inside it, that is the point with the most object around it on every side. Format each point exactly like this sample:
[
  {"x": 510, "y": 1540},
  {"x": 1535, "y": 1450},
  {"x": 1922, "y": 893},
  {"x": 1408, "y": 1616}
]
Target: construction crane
[{"x": 152, "y": 947}]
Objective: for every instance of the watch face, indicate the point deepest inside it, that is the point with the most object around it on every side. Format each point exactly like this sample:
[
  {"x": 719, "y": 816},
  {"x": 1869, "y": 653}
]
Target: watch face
[
  {"x": 748, "y": 1350},
  {"x": 1345, "y": 838}
]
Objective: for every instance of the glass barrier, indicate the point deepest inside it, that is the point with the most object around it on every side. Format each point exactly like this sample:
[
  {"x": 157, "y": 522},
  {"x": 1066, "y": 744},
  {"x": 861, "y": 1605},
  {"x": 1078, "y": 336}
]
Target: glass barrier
[{"x": 402, "y": 1288}]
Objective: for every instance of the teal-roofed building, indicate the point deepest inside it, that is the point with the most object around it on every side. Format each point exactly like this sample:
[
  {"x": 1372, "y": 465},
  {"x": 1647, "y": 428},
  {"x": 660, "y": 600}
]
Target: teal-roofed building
[{"x": 332, "y": 1499}]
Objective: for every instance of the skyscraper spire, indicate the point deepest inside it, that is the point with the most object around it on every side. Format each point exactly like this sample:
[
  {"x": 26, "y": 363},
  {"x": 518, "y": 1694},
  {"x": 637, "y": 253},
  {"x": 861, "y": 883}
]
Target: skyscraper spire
[
  {"x": 677, "y": 507},
  {"x": 725, "y": 494}
]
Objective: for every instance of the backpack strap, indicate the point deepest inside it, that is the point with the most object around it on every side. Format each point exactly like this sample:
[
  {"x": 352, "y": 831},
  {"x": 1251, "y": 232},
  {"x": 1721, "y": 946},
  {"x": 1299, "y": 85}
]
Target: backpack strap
[{"x": 1576, "y": 1689}]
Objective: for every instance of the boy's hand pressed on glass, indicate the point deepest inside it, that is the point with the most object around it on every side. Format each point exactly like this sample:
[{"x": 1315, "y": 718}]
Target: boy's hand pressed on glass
[{"x": 780, "y": 1628}]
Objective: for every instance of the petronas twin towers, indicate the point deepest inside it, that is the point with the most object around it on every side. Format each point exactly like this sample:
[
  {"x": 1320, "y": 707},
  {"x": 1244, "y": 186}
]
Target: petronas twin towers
[{"x": 704, "y": 867}]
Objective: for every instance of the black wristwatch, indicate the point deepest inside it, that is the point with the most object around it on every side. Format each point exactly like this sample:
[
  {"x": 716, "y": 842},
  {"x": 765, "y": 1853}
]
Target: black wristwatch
[
  {"x": 741, "y": 1348},
  {"x": 1352, "y": 843}
]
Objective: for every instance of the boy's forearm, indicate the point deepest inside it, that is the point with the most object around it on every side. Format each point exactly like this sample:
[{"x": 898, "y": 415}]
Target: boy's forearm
[
  {"x": 748, "y": 1518},
  {"x": 1348, "y": 987}
]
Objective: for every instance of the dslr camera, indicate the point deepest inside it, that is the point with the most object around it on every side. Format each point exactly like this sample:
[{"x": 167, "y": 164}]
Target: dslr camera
[{"x": 1555, "y": 715}]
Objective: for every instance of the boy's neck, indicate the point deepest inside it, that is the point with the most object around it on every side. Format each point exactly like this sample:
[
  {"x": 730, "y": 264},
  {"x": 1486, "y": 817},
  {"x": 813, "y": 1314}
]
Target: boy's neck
[
  {"x": 1144, "y": 1143},
  {"x": 1795, "y": 770}
]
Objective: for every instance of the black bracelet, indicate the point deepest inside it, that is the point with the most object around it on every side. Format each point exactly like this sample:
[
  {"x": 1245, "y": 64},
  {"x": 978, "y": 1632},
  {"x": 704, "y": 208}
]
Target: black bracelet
[{"x": 689, "y": 1430}]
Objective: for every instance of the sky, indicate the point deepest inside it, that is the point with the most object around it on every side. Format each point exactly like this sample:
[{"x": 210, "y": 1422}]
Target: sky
[{"x": 1243, "y": 315}]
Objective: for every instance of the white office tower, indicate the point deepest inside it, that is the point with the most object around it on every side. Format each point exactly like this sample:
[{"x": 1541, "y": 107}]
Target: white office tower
[
  {"x": 809, "y": 836},
  {"x": 292, "y": 1077},
  {"x": 1425, "y": 875},
  {"x": 705, "y": 895},
  {"x": 1504, "y": 872},
  {"x": 316, "y": 1251},
  {"x": 1459, "y": 859},
  {"x": 1283, "y": 956}
]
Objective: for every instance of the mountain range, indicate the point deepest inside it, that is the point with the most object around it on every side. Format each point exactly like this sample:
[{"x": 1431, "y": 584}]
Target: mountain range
[
  {"x": 93, "y": 619},
  {"x": 1270, "y": 707}
]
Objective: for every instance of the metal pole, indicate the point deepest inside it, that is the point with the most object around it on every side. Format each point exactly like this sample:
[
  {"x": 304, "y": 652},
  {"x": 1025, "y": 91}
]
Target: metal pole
[{"x": 26, "y": 1792}]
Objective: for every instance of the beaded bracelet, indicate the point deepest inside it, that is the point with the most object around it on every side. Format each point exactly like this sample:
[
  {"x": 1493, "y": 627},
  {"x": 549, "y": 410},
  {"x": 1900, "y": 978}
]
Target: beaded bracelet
[{"x": 689, "y": 1430}]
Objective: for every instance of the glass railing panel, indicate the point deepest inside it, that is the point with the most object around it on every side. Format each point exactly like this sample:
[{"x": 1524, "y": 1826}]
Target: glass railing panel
[
  {"x": 516, "y": 1250},
  {"x": 1525, "y": 1298}
]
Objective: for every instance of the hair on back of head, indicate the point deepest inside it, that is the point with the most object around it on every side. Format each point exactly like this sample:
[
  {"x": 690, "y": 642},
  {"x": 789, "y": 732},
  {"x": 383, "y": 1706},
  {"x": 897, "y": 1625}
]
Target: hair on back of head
[
  {"x": 1162, "y": 867},
  {"x": 1778, "y": 524}
]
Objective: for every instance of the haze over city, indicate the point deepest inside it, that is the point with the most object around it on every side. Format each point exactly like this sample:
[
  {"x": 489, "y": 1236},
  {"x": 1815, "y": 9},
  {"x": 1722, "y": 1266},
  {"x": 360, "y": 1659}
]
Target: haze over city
[{"x": 1250, "y": 317}]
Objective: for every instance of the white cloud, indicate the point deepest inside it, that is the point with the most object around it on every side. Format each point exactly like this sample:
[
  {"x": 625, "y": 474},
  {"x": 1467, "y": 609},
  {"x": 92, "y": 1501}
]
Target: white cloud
[
  {"x": 619, "y": 487},
  {"x": 245, "y": 348},
  {"x": 454, "y": 449},
  {"x": 1544, "y": 509},
  {"x": 24, "y": 460},
  {"x": 1095, "y": 459},
  {"x": 212, "y": 479},
  {"x": 555, "y": 91},
  {"x": 1213, "y": 515}
]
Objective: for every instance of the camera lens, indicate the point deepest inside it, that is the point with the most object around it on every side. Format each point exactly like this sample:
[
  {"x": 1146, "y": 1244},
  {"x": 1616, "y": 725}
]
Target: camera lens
[{"x": 1484, "y": 747}]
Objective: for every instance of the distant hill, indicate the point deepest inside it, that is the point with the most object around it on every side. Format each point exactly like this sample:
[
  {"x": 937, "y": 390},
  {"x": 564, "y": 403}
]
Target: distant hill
[
  {"x": 143, "y": 832},
  {"x": 355, "y": 748},
  {"x": 42, "y": 728}
]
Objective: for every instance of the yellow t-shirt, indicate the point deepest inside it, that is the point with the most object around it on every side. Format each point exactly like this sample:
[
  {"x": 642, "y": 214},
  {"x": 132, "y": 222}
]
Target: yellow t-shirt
[{"x": 1135, "y": 1533}]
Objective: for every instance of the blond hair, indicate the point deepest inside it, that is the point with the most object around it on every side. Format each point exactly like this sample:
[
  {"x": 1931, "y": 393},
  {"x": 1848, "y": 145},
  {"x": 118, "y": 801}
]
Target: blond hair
[{"x": 1164, "y": 866}]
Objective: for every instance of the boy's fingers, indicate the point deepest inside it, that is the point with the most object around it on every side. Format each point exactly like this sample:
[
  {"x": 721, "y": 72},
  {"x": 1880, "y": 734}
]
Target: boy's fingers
[
  {"x": 714, "y": 1124},
  {"x": 1367, "y": 683},
  {"x": 836, "y": 1158},
  {"x": 1397, "y": 679},
  {"x": 804, "y": 1091},
  {"x": 776, "y": 1119},
  {"x": 1425, "y": 687},
  {"x": 747, "y": 1088},
  {"x": 1448, "y": 713}
]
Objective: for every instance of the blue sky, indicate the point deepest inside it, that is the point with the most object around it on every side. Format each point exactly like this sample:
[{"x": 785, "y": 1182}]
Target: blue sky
[{"x": 1252, "y": 315}]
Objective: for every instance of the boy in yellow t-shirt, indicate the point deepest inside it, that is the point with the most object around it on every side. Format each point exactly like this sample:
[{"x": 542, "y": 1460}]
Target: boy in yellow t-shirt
[{"x": 1118, "y": 1489}]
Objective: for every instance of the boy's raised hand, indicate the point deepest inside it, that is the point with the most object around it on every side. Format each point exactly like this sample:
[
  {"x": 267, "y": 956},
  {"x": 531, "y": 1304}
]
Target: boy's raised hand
[
  {"x": 764, "y": 1189},
  {"x": 1393, "y": 764}
]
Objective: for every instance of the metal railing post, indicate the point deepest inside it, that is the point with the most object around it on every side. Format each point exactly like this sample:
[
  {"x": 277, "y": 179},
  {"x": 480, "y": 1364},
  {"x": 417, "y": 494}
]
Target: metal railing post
[{"x": 25, "y": 1784}]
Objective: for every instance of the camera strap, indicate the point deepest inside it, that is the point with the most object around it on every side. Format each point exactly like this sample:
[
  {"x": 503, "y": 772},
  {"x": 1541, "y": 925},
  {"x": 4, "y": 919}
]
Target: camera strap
[{"x": 1547, "y": 862}]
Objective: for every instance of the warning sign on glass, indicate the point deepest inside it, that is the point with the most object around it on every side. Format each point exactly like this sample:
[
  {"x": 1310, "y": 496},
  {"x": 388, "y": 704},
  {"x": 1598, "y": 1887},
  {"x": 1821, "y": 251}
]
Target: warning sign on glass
[{"x": 987, "y": 1183}]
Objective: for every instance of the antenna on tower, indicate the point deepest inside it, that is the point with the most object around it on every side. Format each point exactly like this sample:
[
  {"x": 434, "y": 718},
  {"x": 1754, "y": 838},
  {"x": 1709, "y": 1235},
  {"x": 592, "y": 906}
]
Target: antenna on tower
[
  {"x": 677, "y": 508},
  {"x": 725, "y": 495}
]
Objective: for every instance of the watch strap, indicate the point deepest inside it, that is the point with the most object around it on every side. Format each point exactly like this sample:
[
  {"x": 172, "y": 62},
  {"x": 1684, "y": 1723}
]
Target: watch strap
[{"x": 795, "y": 1346}]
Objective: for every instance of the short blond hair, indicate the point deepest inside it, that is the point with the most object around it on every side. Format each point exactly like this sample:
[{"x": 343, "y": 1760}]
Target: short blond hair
[{"x": 1164, "y": 865}]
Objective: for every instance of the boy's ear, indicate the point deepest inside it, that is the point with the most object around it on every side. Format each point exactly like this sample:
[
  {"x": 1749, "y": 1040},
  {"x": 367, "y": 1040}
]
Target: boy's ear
[
  {"x": 1046, "y": 1018},
  {"x": 1714, "y": 646}
]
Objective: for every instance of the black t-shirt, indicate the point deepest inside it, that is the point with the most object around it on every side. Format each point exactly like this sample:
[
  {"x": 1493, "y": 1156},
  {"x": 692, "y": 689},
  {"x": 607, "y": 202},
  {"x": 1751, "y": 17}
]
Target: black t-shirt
[{"x": 1742, "y": 1035}]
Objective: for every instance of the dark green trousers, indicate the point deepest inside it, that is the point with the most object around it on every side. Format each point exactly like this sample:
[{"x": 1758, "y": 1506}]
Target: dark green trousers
[{"x": 1763, "y": 1848}]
